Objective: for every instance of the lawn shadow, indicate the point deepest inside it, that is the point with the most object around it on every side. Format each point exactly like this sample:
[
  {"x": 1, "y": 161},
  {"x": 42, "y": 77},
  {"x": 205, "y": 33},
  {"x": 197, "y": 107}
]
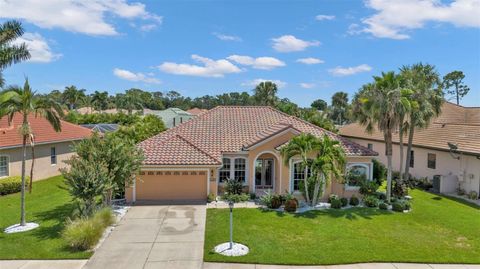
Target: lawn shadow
[
  {"x": 440, "y": 196},
  {"x": 350, "y": 213},
  {"x": 59, "y": 215}
]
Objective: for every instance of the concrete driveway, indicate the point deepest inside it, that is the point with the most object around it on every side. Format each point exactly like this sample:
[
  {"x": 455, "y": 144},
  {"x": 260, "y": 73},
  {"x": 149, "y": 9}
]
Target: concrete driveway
[{"x": 154, "y": 236}]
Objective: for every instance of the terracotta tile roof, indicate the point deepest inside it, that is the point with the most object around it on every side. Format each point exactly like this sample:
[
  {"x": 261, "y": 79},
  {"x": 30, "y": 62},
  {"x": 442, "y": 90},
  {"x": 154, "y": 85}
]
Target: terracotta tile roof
[
  {"x": 196, "y": 111},
  {"x": 270, "y": 131},
  {"x": 43, "y": 131},
  {"x": 456, "y": 124},
  {"x": 227, "y": 129}
]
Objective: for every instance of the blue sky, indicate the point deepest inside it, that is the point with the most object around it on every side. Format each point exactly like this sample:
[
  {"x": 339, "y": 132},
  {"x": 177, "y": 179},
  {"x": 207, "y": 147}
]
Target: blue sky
[{"x": 310, "y": 48}]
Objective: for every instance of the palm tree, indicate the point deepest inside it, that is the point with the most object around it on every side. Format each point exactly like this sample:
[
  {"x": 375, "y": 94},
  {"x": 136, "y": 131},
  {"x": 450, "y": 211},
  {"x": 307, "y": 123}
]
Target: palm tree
[
  {"x": 302, "y": 145},
  {"x": 100, "y": 100},
  {"x": 426, "y": 100},
  {"x": 72, "y": 96},
  {"x": 10, "y": 53},
  {"x": 265, "y": 93},
  {"x": 24, "y": 101},
  {"x": 329, "y": 162},
  {"x": 376, "y": 105}
]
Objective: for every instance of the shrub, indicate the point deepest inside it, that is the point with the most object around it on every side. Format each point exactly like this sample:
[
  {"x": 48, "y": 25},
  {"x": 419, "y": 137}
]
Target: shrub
[
  {"x": 370, "y": 201},
  {"x": 344, "y": 201},
  {"x": 383, "y": 206},
  {"x": 379, "y": 171},
  {"x": 332, "y": 197},
  {"x": 253, "y": 196},
  {"x": 291, "y": 205},
  {"x": 381, "y": 195},
  {"x": 12, "y": 184},
  {"x": 368, "y": 187},
  {"x": 266, "y": 199},
  {"x": 210, "y": 197},
  {"x": 276, "y": 201},
  {"x": 84, "y": 233},
  {"x": 398, "y": 206},
  {"x": 473, "y": 195},
  {"x": 236, "y": 198},
  {"x": 104, "y": 216},
  {"x": 354, "y": 201},
  {"x": 233, "y": 186},
  {"x": 460, "y": 191},
  {"x": 399, "y": 189},
  {"x": 336, "y": 203}
]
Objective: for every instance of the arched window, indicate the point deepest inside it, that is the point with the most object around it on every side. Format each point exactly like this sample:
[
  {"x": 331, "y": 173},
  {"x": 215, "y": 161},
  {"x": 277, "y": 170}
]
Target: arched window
[{"x": 356, "y": 173}]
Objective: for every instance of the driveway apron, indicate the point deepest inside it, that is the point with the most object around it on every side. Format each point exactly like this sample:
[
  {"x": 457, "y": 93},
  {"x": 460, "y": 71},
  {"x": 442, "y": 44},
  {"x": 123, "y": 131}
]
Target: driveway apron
[{"x": 154, "y": 236}]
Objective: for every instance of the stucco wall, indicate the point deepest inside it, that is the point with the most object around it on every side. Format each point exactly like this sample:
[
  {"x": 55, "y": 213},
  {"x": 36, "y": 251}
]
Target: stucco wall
[
  {"x": 43, "y": 168},
  {"x": 466, "y": 170}
]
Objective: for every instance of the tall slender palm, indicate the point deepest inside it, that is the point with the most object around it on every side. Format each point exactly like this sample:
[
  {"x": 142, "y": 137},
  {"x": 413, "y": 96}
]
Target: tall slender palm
[
  {"x": 265, "y": 93},
  {"x": 426, "y": 99},
  {"x": 329, "y": 163},
  {"x": 376, "y": 105},
  {"x": 24, "y": 101},
  {"x": 72, "y": 96},
  {"x": 302, "y": 145},
  {"x": 11, "y": 53}
]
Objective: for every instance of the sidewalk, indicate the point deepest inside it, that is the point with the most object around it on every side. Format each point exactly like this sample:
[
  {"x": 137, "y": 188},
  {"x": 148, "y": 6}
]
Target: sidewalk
[
  {"x": 209, "y": 265},
  {"x": 42, "y": 264}
]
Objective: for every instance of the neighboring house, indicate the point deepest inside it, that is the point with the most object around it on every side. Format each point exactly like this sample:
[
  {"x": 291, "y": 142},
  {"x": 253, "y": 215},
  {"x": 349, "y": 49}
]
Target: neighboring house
[
  {"x": 171, "y": 116},
  {"x": 196, "y": 111},
  {"x": 431, "y": 154},
  {"x": 102, "y": 127},
  {"x": 51, "y": 148},
  {"x": 242, "y": 142}
]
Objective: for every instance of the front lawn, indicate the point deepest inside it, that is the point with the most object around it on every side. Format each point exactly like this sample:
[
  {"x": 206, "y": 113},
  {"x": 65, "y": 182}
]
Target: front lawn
[
  {"x": 48, "y": 205},
  {"x": 438, "y": 230}
]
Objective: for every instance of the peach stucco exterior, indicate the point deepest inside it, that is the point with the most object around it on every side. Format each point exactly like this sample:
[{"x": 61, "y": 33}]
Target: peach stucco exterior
[
  {"x": 154, "y": 184},
  {"x": 43, "y": 167},
  {"x": 463, "y": 172}
]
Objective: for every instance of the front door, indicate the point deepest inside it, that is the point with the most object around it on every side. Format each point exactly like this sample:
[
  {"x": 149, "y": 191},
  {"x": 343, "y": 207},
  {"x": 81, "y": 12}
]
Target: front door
[{"x": 264, "y": 174}]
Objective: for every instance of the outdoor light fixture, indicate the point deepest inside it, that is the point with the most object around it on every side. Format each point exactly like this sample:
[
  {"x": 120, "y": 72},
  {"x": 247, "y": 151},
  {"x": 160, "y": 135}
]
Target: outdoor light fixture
[{"x": 230, "y": 204}]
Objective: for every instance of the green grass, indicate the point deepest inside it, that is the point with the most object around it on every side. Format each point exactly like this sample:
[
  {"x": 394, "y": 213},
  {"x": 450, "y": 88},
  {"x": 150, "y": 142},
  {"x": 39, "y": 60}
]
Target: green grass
[
  {"x": 438, "y": 230},
  {"x": 49, "y": 206}
]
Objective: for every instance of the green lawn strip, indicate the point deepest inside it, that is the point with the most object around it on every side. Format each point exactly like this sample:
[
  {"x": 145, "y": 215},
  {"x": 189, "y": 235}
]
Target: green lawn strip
[
  {"x": 49, "y": 206},
  {"x": 438, "y": 230}
]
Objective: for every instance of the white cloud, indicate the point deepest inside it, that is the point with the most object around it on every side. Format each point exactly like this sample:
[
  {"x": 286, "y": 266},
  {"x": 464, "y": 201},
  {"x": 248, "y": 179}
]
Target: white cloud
[
  {"x": 307, "y": 85},
  {"x": 347, "y": 71},
  {"x": 225, "y": 37},
  {"x": 209, "y": 67},
  {"x": 324, "y": 17},
  {"x": 310, "y": 60},
  {"x": 86, "y": 17},
  {"x": 255, "y": 82},
  {"x": 265, "y": 63},
  {"x": 395, "y": 18},
  {"x": 39, "y": 49},
  {"x": 131, "y": 76},
  {"x": 289, "y": 43},
  {"x": 148, "y": 27}
]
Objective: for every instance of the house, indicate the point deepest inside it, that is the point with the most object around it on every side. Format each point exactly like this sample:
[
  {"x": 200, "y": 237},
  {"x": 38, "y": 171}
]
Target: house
[
  {"x": 454, "y": 166},
  {"x": 51, "y": 147},
  {"x": 102, "y": 128},
  {"x": 171, "y": 116},
  {"x": 196, "y": 111},
  {"x": 194, "y": 159}
]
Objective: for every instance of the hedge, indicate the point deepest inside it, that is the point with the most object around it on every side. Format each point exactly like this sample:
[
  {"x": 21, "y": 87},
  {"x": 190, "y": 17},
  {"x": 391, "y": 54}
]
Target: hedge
[{"x": 13, "y": 184}]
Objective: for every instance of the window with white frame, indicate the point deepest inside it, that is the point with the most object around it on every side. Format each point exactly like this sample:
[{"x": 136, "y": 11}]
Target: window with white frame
[
  {"x": 357, "y": 173},
  {"x": 235, "y": 168},
  {"x": 224, "y": 172},
  {"x": 240, "y": 171},
  {"x": 298, "y": 174},
  {"x": 3, "y": 166}
]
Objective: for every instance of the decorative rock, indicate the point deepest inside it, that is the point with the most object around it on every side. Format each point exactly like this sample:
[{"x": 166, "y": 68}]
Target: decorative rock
[
  {"x": 236, "y": 250},
  {"x": 408, "y": 197},
  {"x": 17, "y": 228}
]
